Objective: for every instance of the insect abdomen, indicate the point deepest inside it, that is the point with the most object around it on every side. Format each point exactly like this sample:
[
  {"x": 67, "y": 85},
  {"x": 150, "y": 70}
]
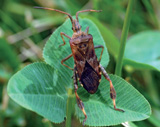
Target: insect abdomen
[{"x": 90, "y": 79}]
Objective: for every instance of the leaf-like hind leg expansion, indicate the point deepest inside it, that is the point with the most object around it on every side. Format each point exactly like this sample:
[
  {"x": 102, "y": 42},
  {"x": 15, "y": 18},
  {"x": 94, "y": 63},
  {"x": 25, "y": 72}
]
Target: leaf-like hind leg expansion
[
  {"x": 65, "y": 60},
  {"x": 79, "y": 101},
  {"x": 112, "y": 90},
  {"x": 63, "y": 34}
]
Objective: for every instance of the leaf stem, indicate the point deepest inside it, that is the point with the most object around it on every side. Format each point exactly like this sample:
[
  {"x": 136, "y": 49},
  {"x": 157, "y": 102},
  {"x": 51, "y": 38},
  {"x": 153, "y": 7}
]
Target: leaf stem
[
  {"x": 124, "y": 37},
  {"x": 69, "y": 108}
]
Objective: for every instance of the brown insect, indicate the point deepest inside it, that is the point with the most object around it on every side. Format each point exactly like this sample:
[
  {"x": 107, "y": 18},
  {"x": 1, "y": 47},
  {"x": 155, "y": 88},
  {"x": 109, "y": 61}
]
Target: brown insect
[{"x": 87, "y": 68}]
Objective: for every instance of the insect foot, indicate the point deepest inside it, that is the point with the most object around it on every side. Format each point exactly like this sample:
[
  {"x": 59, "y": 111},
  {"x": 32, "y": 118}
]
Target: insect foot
[{"x": 81, "y": 106}]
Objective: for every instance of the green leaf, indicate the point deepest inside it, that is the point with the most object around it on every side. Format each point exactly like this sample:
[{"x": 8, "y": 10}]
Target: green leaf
[
  {"x": 43, "y": 88},
  {"x": 39, "y": 88},
  {"x": 99, "y": 106},
  {"x": 142, "y": 50},
  {"x": 36, "y": 87}
]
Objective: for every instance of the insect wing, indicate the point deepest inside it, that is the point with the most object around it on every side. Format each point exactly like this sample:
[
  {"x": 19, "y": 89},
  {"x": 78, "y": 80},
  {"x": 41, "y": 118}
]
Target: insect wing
[{"x": 90, "y": 79}]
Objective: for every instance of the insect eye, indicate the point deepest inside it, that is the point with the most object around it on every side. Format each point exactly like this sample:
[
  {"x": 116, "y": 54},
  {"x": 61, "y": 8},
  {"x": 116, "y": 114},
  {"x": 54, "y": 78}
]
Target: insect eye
[{"x": 72, "y": 28}]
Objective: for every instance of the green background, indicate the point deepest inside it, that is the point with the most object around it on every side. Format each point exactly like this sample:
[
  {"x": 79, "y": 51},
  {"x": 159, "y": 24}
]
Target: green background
[{"x": 24, "y": 32}]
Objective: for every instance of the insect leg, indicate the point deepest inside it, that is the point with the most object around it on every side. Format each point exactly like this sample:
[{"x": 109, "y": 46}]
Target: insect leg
[
  {"x": 112, "y": 90},
  {"x": 65, "y": 60},
  {"x": 100, "y": 46},
  {"x": 79, "y": 101},
  {"x": 63, "y": 38},
  {"x": 87, "y": 29}
]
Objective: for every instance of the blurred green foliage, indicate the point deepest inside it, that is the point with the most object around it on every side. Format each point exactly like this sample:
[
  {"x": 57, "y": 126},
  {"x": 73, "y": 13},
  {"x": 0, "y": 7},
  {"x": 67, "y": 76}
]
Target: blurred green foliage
[{"x": 24, "y": 31}]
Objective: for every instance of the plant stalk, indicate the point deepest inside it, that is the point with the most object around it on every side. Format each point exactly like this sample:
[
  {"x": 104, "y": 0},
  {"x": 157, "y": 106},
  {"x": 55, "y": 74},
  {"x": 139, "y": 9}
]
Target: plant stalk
[
  {"x": 123, "y": 38},
  {"x": 122, "y": 47},
  {"x": 69, "y": 108}
]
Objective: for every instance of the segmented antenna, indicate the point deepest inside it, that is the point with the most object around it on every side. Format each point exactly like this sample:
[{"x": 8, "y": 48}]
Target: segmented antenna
[
  {"x": 56, "y": 10},
  {"x": 86, "y": 11}
]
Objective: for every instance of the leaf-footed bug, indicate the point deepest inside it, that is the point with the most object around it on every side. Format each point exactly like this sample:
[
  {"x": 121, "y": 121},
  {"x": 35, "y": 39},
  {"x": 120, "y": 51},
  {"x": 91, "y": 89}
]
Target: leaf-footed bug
[{"x": 87, "y": 68}]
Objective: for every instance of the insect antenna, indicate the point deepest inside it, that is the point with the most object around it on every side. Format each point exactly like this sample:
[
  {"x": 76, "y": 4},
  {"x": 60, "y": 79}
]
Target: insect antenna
[
  {"x": 57, "y": 11},
  {"x": 86, "y": 11}
]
